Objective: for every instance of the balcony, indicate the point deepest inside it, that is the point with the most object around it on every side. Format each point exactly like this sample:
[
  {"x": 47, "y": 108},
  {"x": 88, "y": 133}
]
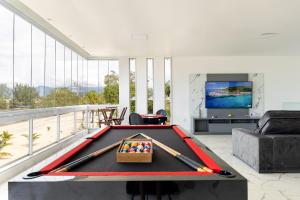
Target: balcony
[{"x": 26, "y": 133}]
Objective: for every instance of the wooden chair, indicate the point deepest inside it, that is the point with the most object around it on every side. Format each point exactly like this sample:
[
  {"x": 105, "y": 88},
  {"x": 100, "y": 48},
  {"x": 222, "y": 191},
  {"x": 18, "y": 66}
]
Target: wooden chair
[
  {"x": 107, "y": 119},
  {"x": 118, "y": 120}
]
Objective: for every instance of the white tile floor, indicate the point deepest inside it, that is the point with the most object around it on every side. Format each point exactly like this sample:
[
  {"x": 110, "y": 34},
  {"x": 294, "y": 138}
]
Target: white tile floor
[{"x": 277, "y": 186}]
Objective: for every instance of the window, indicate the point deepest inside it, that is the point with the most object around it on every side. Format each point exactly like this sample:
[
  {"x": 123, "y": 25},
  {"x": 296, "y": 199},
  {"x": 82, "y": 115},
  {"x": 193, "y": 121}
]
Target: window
[
  {"x": 93, "y": 96},
  {"x": 74, "y": 72},
  {"x": 79, "y": 75},
  {"x": 68, "y": 69},
  {"x": 6, "y": 57},
  {"x": 111, "y": 89},
  {"x": 85, "y": 77},
  {"x": 23, "y": 93},
  {"x": 168, "y": 85},
  {"x": 60, "y": 66},
  {"x": 103, "y": 80},
  {"x": 132, "y": 87},
  {"x": 150, "y": 85},
  {"x": 49, "y": 101},
  {"x": 103, "y": 71},
  {"x": 38, "y": 63},
  {"x": 93, "y": 75}
]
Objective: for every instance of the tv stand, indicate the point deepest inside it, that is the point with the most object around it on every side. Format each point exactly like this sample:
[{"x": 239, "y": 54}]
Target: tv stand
[{"x": 217, "y": 126}]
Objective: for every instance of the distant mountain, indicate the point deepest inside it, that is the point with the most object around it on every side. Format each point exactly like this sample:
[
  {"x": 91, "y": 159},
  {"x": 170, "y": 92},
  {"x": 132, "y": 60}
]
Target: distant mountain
[
  {"x": 82, "y": 90},
  {"x": 40, "y": 90}
]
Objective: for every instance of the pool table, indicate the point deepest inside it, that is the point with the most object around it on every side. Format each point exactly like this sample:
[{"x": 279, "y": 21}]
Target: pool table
[
  {"x": 103, "y": 178},
  {"x": 154, "y": 119}
]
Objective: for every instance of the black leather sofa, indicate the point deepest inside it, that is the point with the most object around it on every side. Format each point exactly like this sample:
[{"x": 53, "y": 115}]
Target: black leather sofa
[{"x": 274, "y": 146}]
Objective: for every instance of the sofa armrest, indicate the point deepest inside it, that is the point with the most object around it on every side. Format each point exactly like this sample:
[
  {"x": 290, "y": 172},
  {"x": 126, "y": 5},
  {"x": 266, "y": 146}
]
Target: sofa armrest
[
  {"x": 254, "y": 149},
  {"x": 286, "y": 148}
]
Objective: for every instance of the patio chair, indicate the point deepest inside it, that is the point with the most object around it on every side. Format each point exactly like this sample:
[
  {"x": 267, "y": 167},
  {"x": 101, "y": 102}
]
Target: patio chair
[
  {"x": 163, "y": 113},
  {"x": 107, "y": 119},
  {"x": 118, "y": 120},
  {"x": 135, "y": 119}
]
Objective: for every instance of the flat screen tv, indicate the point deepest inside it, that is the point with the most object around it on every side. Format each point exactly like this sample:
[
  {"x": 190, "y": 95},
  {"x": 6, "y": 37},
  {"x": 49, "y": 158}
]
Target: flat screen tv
[{"x": 229, "y": 94}]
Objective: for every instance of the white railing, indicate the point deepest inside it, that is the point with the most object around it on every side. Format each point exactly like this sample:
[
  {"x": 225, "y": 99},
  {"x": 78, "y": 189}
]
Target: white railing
[{"x": 65, "y": 120}]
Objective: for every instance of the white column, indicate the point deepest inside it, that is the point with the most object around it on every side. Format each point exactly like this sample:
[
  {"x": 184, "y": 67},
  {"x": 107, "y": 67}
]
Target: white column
[
  {"x": 124, "y": 86},
  {"x": 159, "y": 82},
  {"x": 141, "y": 85}
]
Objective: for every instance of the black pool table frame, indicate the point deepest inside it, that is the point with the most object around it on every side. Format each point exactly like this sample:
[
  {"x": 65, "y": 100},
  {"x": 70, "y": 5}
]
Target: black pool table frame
[{"x": 183, "y": 184}]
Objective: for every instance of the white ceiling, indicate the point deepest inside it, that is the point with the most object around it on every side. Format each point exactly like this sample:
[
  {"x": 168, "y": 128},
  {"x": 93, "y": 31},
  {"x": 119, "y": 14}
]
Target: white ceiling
[{"x": 176, "y": 27}]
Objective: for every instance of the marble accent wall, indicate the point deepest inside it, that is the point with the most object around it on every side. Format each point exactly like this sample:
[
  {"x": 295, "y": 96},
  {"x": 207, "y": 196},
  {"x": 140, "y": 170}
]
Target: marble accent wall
[
  {"x": 197, "y": 95},
  {"x": 257, "y": 109}
]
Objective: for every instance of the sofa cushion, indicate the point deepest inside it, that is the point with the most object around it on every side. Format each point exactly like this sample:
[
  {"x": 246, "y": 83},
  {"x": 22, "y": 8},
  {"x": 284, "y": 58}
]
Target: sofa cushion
[
  {"x": 278, "y": 114},
  {"x": 279, "y": 122}
]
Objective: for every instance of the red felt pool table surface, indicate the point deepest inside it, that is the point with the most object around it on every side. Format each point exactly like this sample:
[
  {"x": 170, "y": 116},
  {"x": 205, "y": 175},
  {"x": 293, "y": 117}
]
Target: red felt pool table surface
[{"x": 163, "y": 163}]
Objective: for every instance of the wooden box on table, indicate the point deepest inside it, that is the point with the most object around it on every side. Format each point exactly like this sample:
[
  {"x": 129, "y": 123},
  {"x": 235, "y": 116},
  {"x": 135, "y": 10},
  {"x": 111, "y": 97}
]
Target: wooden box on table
[{"x": 134, "y": 157}]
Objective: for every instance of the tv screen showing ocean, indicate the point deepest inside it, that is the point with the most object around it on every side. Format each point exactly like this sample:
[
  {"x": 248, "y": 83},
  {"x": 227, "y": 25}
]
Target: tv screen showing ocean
[{"x": 228, "y": 94}]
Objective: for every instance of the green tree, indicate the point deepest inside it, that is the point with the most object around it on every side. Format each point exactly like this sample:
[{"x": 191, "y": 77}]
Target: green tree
[
  {"x": 168, "y": 88},
  {"x": 132, "y": 91},
  {"x": 5, "y": 92},
  {"x": 23, "y": 96},
  {"x": 5, "y": 136},
  {"x": 111, "y": 89},
  {"x": 167, "y": 97},
  {"x": 35, "y": 137},
  {"x": 92, "y": 97},
  {"x": 150, "y": 106},
  {"x": 3, "y": 103},
  {"x": 150, "y": 100},
  {"x": 60, "y": 97}
]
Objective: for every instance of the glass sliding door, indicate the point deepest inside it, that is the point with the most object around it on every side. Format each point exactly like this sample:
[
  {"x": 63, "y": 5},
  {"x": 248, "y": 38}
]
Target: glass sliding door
[
  {"x": 6, "y": 58},
  {"x": 38, "y": 64},
  {"x": 23, "y": 92},
  {"x": 61, "y": 93},
  {"x": 49, "y": 99}
]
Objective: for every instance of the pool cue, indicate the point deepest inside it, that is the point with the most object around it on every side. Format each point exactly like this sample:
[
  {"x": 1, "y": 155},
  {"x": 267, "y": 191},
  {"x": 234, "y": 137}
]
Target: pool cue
[
  {"x": 193, "y": 164},
  {"x": 78, "y": 161},
  {"x": 85, "y": 158}
]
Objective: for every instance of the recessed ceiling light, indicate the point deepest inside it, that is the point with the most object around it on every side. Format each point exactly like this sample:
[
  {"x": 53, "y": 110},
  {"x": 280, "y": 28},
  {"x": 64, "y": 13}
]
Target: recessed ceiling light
[
  {"x": 139, "y": 36},
  {"x": 269, "y": 34}
]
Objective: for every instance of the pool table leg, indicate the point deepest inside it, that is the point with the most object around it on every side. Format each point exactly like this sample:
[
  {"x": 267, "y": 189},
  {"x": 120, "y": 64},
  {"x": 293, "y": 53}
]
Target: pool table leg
[
  {"x": 142, "y": 191},
  {"x": 158, "y": 191}
]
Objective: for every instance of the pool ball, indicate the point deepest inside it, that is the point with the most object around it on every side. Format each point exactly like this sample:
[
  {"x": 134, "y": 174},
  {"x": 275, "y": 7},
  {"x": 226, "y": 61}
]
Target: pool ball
[
  {"x": 131, "y": 151},
  {"x": 134, "y": 148},
  {"x": 134, "y": 144},
  {"x": 147, "y": 151}
]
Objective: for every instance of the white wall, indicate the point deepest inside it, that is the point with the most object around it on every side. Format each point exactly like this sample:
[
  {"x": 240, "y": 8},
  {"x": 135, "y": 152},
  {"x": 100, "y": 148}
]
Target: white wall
[{"x": 281, "y": 76}]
